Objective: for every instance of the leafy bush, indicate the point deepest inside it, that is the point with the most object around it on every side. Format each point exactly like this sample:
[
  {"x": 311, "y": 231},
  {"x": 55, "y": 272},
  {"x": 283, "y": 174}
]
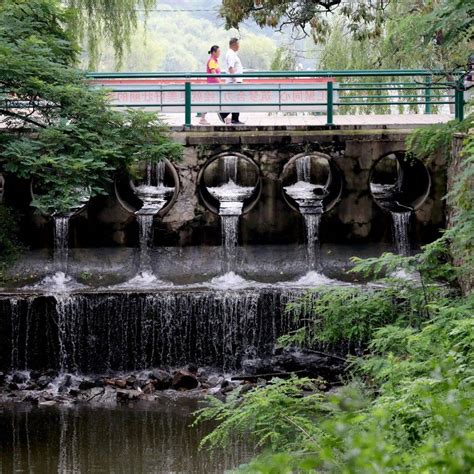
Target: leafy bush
[
  {"x": 65, "y": 136},
  {"x": 408, "y": 405}
]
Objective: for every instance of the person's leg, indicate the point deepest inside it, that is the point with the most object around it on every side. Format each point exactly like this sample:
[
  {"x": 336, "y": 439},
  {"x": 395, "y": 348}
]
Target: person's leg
[
  {"x": 223, "y": 115},
  {"x": 203, "y": 120},
  {"x": 235, "y": 116}
]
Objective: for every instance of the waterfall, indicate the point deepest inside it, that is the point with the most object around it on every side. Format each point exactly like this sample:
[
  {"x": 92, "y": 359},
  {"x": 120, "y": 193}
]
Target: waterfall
[
  {"x": 303, "y": 169},
  {"x": 230, "y": 168},
  {"x": 230, "y": 232},
  {"x": 153, "y": 194},
  {"x": 231, "y": 197},
  {"x": 309, "y": 198},
  {"x": 145, "y": 235},
  {"x": 313, "y": 248},
  {"x": 401, "y": 240},
  {"x": 124, "y": 330},
  {"x": 155, "y": 173},
  {"x": 61, "y": 241}
]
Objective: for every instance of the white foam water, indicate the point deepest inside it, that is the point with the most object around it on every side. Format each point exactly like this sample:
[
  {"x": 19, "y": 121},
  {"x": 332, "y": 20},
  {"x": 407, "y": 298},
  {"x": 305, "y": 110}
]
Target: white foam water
[
  {"x": 302, "y": 190},
  {"x": 142, "y": 280},
  {"x": 231, "y": 192},
  {"x": 312, "y": 279},
  {"x": 231, "y": 281},
  {"x": 59, "y": 282}
]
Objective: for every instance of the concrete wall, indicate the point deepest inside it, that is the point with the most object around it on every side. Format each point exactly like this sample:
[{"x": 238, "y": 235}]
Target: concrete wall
[{"x": 355, "y": 218}]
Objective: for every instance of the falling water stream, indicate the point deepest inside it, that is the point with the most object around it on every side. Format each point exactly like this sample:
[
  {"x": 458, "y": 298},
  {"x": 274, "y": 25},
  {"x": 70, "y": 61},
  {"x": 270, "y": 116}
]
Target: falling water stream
[
  {"x": 153, "y": 194},
  {"x": 61, "y": 238},
  {"x": 311, "y": 207},
  {"x": 401, "y": 240},
  {"x": 231, "y": 197}
]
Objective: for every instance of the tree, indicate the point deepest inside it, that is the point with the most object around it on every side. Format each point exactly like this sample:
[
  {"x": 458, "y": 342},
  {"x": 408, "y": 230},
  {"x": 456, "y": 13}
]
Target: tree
[
  {"x": 306, "y": 17},
  {"x": 92, "y": 21},
  {"x": 432, "y": 33},
  {"x": 56, "y": 129}
]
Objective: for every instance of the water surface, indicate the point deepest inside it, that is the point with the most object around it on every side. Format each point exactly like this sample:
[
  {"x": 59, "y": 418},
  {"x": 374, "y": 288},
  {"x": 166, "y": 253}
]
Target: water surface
[{"x": 153, "y": 437}]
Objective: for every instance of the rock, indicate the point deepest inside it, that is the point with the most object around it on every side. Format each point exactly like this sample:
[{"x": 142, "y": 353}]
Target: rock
[
  {"x": 183, "y": 379},
  {"x": 43, "y": 381},
  {"x": 74, "y": 392},
  {"x": 214, "y": 380},
  {"x": 120, "y": 383},
  {"x": 48, "y": 403},
  {"x": 147, "y": 397},
  {"x": 52, "y": 373},
  {"x": 2, "y": 378},
  {"x": 19, "y": 378},
  {"x": 246, "y": 387},
  {"x": 149, "y": 388},
  {"x": 160, "y": 379},
  {"x": 35, "y": 374},
  {"x": 86, "y": 385},
  {"x": 193, "y": 368},
  {"x": 128, "y": 395},
  {"x": 65, "y": 383},
  {"x": 227, "y": 389},
  {"x": 13, "y": 386},
  {"x": 131, "y": 380},
  {"x": 140, "y": 383},
  {"x": 31, "y": 398},
  {"x": 98, "y": 395},
  {"x": 32, "y": 386}
]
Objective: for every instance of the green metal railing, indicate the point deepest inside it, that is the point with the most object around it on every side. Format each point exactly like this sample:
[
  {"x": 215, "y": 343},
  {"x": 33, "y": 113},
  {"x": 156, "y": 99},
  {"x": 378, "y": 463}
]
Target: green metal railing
[{"x": 345, "y": 91}]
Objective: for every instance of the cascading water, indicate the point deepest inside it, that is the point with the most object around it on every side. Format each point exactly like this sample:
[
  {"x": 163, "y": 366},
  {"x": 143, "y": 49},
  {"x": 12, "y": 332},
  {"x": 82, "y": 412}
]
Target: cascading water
[
  {"x": 401, "y": 240},
  {"x": 303, "y": 169},
  {"x": 231, "y": 199},
  {"x": 313, "y": 247},
  {"x": 61, "y": 237},
  {"x": 230, "y": 168},
  {"x": 153, "y": 193},
  {"x": 309, "y": 198},
  {"x": 145, "y": 236},
  {"x": 102, "y": 332}
]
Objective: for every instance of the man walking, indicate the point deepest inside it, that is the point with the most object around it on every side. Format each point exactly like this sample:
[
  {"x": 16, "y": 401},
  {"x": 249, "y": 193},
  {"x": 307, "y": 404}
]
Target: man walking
[{"x": 233, "y": 65}]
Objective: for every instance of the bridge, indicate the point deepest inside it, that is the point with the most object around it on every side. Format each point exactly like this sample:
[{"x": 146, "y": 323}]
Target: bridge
[{"x": 294, "y": 98}]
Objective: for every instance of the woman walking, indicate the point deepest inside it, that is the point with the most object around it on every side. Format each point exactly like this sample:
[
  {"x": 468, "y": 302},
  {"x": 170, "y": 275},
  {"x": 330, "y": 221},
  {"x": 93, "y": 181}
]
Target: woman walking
[{"x": 212, "y": 67}]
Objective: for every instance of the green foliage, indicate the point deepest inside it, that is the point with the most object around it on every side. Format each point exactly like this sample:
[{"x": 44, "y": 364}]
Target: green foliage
[
  {"x": 254, "y": 414},
  {"x": 351, "y": 314},
  {"x": 305, "y": 17},
  {"x": 414, "y": 413},
  {"x": 457, "y": 240},
  {"x": 70, "y": 139},
  {"x": 174, "y": 42},
  {"x": 426, "y": 142},
  {"x": 93, "y": 21},
  {"x": 410, "y": 405},
  {"x": 283, "y": 60}
]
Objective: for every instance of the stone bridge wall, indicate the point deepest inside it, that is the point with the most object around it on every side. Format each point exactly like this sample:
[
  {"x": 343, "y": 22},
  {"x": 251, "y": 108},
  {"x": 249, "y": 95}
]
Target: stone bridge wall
[{"x": 355, "y": 218}]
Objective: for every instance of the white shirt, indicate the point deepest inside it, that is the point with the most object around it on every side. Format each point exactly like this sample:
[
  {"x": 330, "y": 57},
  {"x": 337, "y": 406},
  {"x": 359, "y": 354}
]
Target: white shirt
[{"x": 232, "y": 60}]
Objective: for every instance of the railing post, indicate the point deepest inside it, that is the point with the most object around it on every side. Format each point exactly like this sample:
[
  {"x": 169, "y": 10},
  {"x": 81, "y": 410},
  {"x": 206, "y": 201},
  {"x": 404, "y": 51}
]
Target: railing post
[
  {"x": 428, "y": 82},
  {"x": 459, "y": 103},
  {"x": 187, "y": 103},
  {"x": 330, "y": 103}
]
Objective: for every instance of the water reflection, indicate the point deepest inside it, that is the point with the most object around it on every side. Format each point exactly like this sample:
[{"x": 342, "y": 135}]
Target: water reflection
[{"x": 151, "y": 438}]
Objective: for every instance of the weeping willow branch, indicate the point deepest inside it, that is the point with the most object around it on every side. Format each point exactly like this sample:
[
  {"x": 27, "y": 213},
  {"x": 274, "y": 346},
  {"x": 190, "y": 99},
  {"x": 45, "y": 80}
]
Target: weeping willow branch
[{"x": 110, "y": 21}]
